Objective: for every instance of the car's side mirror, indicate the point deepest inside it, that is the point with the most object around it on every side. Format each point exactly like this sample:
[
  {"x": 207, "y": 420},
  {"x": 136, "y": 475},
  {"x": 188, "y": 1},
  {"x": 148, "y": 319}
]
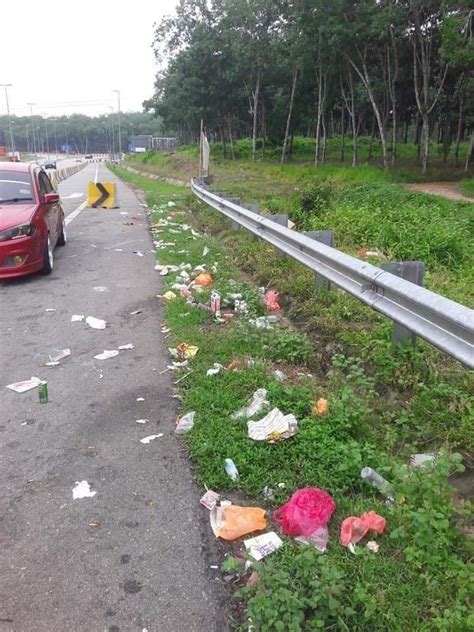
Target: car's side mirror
[{"x": 51, "y": 198}]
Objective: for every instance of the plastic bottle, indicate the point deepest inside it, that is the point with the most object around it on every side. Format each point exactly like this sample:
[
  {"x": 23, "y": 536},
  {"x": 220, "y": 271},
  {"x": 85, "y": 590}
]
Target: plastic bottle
[
  {"x": 376, "y": 480},
  {"x": 230, "y": 469},
  {"x": 43, "y": 393}
]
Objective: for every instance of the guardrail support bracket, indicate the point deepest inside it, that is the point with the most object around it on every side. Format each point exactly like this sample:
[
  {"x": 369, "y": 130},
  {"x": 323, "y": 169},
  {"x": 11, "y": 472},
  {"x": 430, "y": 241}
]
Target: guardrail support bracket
[{"x": 325, "y": 237}]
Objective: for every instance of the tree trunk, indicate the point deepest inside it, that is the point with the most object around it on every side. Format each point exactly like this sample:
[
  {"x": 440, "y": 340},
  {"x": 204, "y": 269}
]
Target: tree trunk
[
  {"x": 323, "y": 144},
  {"x": 343, "y": 135},
  {"x": 460, "y": 125},
  {"x": 425, "y": 135},
  {"x": 288, "y": 119},
  {"x": 231, "y": 139},
  {"x": 318, "y": 129},
  {"x": 255, "y": 112},
  {"x": 469, "y": 153}
]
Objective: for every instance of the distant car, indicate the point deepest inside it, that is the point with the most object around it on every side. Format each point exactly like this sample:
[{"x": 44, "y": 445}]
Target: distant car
[
  {"x": 50, "y": 165},
  {"x": 31, "y": 220},
  {"x": 78, "y": 159},
  {"x": 89, "y": 157}
]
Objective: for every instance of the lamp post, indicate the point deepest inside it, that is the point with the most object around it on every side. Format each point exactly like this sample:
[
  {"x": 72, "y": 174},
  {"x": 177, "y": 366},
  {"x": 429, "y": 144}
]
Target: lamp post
[
  {"x": 55, "y": 137},
  {"x": 67, "y": 142},
  {"x": 12, "y": 142},
  {"x": 113, "y": 132},
  {"x": 119, "y": 130},
  {"x": 33, "y": 128},
  {"x": 47, "y": 135}
]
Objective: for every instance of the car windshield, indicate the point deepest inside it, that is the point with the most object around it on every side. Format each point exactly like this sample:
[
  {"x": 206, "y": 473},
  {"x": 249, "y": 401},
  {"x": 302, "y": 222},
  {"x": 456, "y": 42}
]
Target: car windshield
[{"x": 15, "y": 187}]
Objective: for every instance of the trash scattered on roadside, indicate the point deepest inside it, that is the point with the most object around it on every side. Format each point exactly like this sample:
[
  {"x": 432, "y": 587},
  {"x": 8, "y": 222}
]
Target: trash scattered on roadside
[
  {"x": 231, "y": 522},
  {"x": 241, "y": 307},
  {"x": 217, "y": 368},
  {"x": 146, "y": 440},
  {"x": 321, "y": 407},
  {"x": 107, "y": 354},
  {"x": 376, "y": 480},
  {"x": 26, "y": 385},
  {"x": 57, "y": 355},
  {"x": 76, "y": 318},
  {"x": 319, "y": 539},
  {"x": 210, "y": 499},
  {"x": 137, "y": 311},
  {"x": 166, "y": 269},
  {"x": 50, "y": 309},
  {"x": 205, "y": 252},
  {"x": 255, "y": 405},
  {"x": 421, "y": 460},
  {"x": 185, "y": 423},
  {"x": 119, "y": 249},
  {"x": 251, "y": 581},
  {"x": 139, "y": 253},
  {"x": 140, "y": 399},
  {"x": 271, "y": 301},
  {"x": 100, "y": 288},
  {"x": 230, "y": 469},
  {"x": 262, "y": 545},
  {"x": 82, "y": 489},
  {"x": 373, "y": 546},
  {"x": 169, "y": 296},
  {"x": 43, "y": 393},
  {"x": 353, "y": 528},
  {"x": 215, "y": 302},
  {"x": 280, "y": 376},
  {"x": 204, "y": 279},
  {"x": 264, "y": 322},
  {"x": 141, "y": 421},
  {"x": 184, "y": 351},
  {"x": 126, "y": 347},
  {"x": 171, "y": 204},
  {"x": 307, "y": 510},
  {"x": 183, "y": 377},
  {"x": 96, "y": 323},
  {"x": 274, "y": 427},
  {"x": 94, "y": 524}
]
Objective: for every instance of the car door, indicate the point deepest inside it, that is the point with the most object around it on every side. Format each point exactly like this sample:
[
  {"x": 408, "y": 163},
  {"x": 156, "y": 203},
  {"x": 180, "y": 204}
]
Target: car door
[{"x": 51, "y": 211}]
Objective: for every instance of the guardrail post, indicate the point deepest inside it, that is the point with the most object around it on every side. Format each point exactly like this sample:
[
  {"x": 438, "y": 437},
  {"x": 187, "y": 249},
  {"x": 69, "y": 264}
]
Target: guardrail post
[
  {"x": 233, "y": 200},
  {"x": 325, "y": 237},
  {"x": 412, "y": 271}
]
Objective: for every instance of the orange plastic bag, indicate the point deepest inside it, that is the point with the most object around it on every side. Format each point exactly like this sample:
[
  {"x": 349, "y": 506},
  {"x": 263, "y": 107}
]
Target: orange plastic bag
[
  {"x": 271, "y": 301},
  {"x": 204, "y": 278},
  {"x": 353, "y": 529},
  {"x": 232, "y": 522},
  {"x": 321, "y": 407}
]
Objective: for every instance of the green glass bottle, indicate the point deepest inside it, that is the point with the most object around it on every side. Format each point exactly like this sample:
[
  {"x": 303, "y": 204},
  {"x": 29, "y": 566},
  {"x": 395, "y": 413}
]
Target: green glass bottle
[{"x": 43, "y": 393}]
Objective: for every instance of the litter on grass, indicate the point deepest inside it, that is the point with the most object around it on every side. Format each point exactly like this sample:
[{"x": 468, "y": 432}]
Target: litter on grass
[
  {"x": 26, "y": 385},
  {"x": 321, "y": 407},
  {"x": 184, "y": 351},
  {"x": 376, "y": 480},
  {"x": 126, "y": 347},
  {"x": 146, "y": 440},
  {"x": 185, "y": 423},
  {"x": 319, "y": 539},
  {"x": 280, "y": 376},
  {"x": 204, "y": 279},
  {"x": 231, "y": 469},
  {"x": 231, "y": 522},
  {"x": 96, "y": 323},
  {"x": 373, "y": 546},
  {"x": 82, "y": 489},
  {"x": 353, "y": 528},
  {"x": 421, "y": 460},
  {"x": 274, "y": 427},
  {"x": 217, "y": 368},
  {"x": 262, "y": 545},
  {"x": 137, "y": 311},
  {"x": 169, "y": 296},
  {"x": 106, "y": 354},
  {"x": 76, "y": 318},
  {"x": 210, "y": 499},
  {"x": 256, "y": 404},
  {"x": 205, "y": 252},
  {"x": 270, "y": 299},
  {"x": 307, "y": 509},
  {"x": 264, "y": 322}
]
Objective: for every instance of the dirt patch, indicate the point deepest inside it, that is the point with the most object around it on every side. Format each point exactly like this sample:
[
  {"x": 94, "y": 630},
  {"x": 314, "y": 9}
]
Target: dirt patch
[{"x": 447, "y": 190}]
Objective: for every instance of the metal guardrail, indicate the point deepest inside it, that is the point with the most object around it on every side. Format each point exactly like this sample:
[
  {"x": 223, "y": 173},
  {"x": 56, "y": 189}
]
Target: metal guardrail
[{"x": 445, "y": 324}]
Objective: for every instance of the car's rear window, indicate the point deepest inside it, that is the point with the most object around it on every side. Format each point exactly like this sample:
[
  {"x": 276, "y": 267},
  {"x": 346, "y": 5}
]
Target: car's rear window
[{"x": 15, "y": 187}]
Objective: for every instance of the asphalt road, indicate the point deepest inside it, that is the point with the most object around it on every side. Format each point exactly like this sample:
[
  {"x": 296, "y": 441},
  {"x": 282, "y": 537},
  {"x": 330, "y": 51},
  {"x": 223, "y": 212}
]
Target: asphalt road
[{"x": 137, "y": 554}]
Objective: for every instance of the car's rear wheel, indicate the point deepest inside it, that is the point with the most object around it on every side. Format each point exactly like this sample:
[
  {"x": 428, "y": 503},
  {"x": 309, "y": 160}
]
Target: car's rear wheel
[
  {"x": 48, "y": 257},
  {"x": 62, "y": 239}
]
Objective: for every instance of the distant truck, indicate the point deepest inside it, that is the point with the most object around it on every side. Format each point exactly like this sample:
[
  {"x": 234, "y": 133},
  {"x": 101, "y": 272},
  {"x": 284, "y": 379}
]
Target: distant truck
[
  {"x": 14, "y": 156},
  {"x": 3, "y": 151}
]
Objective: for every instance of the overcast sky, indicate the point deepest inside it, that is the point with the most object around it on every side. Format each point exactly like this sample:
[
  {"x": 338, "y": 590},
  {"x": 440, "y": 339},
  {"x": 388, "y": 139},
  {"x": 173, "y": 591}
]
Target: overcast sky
[{"x": 67, "y": 56}]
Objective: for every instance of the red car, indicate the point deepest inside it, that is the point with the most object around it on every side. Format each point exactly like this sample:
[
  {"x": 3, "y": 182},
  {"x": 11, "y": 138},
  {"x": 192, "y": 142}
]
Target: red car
[{"x": 31, "y": 220}]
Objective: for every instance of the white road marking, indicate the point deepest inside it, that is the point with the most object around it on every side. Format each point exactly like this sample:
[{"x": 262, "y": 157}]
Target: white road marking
[
  {"x": 75, "y": 213},
  {"x": 72, "y": 196},
  {"x": 96, "y": 173}
]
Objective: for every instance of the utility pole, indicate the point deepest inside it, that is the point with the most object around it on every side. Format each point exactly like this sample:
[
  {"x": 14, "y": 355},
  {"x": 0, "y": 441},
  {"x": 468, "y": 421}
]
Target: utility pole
[
  {"x": 12, "y": 142},
  {"x": 113, "y": 132},
  {"x": 33, "y": 128},
  {"x": 119, "y": 130},
  {"x": 47, "y": 135},
  {"x": 67, "y": 142},
  {"x": 55, "y": 137}
]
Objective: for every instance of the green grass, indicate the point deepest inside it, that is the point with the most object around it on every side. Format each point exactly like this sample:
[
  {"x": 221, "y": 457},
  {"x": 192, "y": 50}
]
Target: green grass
[
  {"x": 467, "y": 187},
  {"x": 381, "y": 409}
]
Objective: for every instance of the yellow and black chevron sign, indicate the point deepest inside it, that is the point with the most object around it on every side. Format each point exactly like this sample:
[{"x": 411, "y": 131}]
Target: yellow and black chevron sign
[{"x": 102, "y": 195}]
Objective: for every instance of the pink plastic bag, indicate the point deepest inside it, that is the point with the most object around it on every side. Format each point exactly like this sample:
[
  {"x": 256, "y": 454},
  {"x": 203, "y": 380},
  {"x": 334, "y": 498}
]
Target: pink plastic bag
[
  {"x": 307, "y": 509},
  {"x": 271, "y": 301},
  {"x": 354, "y": 529}
]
